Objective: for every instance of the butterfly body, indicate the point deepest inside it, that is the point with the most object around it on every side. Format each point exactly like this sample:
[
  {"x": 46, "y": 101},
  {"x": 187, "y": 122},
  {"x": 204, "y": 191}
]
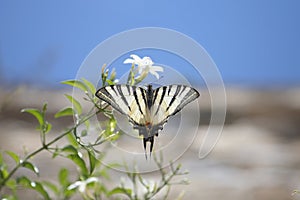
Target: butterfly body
[{"x": 147, "y": 109}]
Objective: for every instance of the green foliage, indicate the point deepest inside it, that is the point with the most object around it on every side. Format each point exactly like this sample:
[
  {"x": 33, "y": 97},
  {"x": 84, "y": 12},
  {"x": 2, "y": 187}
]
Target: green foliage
[
  {"x": 75, "y": 103},
  {"x": 91, "y": 88},
  {"x": 92, "y": 160},
  {"x": 44, "y": 126},
  {"x": 77, "y": 84},
  {"x": 65, "y": 112},
  {"x": 120, "y": 190},
  {"x": 37, "y": 186},
  {"x": 14, "y": 156},
  {"x": 76, "y": 158},
  {"x": 91, "y": 173},
  {"x": 131, "y": 76},
  {"x": 30, "y": 166}
]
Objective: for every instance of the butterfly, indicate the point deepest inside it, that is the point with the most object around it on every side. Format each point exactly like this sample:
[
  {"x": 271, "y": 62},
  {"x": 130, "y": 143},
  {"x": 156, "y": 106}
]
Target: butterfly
[{"x": 147, "y": 109}]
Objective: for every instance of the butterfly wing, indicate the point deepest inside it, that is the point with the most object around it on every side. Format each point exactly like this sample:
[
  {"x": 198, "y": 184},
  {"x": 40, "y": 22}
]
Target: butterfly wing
[
  {"x": 128, "y": 100},
  {"x": 148, "y": 110},
  {"x": 169, "y": 100}
]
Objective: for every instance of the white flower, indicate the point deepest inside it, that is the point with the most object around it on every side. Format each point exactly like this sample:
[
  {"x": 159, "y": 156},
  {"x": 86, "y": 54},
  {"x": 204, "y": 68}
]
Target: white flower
[
  {"x": 144, "y": 64},
  {"x": 81, "y": 185}
]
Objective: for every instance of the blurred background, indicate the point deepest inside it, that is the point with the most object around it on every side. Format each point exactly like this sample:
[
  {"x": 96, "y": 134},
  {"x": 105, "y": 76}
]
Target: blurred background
[{"x": 255, "y": 45}]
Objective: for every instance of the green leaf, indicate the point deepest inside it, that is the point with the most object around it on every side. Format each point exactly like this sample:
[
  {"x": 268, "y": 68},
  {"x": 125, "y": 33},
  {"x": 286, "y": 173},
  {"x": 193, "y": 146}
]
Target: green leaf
[
  {"x": 103, "y": 173},
  {"x": 23, "y": 180},
  {"x": 112, "y": 124},
  {"x": 75, "y": 103},
  {"x": 76, "y": 83},
  {"x": 113, "y": 74},
  {"x": 36, "y": 113},
  {"x": 83, "y": 133},
  {"x": 47, "y": 127},
  {"x": 51, "y": 186},
  {"x": 89, "y": 85},
  {"x": 93, "y": 161},
  {"x": 72, "y": 139},
  {"x": 64, "y": 112},
  {"x": 37, "y": 186},
  {"x": 14, "y": 156},
  {"x": 154, "y": 187},
  {"x": 12, "y": 184},
  {"x": 63, "y": 177},
  {"x": 110, "y": 132},
  {"x": 120, "y": 190},
  {"x": 70, "y": 149},
  {"x": 110, "y": 82},
  {"x": 104, "y": 74},
  {"x": 44, "y": 108},
  {"x": 130, "y": 79},
  {"x": 31, "y": 167},
  {"x": 79, "y": 162},
  {"x": 3, "y": 172},
  {"x": 87, "y": 124}
]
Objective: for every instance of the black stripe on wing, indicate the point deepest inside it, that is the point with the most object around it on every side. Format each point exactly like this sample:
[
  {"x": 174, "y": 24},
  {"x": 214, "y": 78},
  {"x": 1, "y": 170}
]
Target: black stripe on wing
[
  {"x": 144, "y": 96},
  {"x": 119, "y": 88},
  {"x": 183, "y": 88},
  {"x": 109, "y": 94},
  {"x": 137, "y": 99},
  {"x": 168, "y": 95},
  {"x": 169, "y": 90},
  {"x": 128, "y": 89},
  {"x": 174, "y": 97},
  {"x": 164, "y": 88},
  {"x": 190, "y": 96},
  {"x": 113, "y": 89}
]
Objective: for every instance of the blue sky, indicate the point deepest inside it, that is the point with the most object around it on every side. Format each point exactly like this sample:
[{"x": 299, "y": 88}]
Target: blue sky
[{"x": 252, "y": 42}]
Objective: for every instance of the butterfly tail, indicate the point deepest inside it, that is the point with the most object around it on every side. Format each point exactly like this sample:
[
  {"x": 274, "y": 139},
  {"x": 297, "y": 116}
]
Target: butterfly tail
[
  {"x": 151, "y": 140},
  {"x": 145, "y": 145}
]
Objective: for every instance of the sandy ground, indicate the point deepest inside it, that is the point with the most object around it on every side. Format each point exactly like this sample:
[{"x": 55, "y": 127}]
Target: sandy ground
[{"x": 257, "y": 156}]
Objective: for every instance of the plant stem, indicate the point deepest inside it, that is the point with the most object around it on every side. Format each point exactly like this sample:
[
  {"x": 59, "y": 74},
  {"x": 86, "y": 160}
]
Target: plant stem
[
  {"x": 45, "y": 146},
  {"x": 165, "y": 181},
  {"x": 31, "y": 155}
]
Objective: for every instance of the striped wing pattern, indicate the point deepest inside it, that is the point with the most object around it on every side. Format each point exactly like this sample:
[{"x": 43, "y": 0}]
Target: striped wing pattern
[
  {"x": 169, "y": 100},
  {"x": 147, "y": 109},
  {"x": 127, "y": 100}
]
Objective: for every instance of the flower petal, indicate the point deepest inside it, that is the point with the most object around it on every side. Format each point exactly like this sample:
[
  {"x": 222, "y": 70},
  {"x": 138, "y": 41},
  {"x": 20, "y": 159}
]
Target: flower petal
[
  {"x": 82, "y": 187},
  {"x": 128, "y": 60},
  {"x": 136, "y": 58},
  {"x": 154, "y": 73},
  {"x": 157, "y": 68},
  {"x": 92, "y": 179},
  {"x": 147, "y": 61},
  {"x": 141, "y": 68},
  {"x": 74, "y": 185}
]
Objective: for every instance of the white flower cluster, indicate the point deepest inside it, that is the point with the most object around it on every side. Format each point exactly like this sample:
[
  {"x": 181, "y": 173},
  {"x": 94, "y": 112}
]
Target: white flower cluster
[{"x": 144, "y": 65}]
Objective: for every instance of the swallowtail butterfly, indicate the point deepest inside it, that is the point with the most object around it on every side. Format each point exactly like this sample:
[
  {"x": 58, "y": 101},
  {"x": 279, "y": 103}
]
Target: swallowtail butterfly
[{"x": 148, "y": 109}]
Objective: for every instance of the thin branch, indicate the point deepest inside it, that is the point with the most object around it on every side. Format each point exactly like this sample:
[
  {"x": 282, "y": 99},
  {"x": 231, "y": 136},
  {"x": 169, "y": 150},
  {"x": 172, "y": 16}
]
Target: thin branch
[{"x": 44, "y": 147}]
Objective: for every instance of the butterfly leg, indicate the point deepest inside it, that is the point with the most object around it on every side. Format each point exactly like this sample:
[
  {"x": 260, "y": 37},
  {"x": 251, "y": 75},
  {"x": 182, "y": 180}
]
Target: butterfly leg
[{"x": 151, "y": 140}]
